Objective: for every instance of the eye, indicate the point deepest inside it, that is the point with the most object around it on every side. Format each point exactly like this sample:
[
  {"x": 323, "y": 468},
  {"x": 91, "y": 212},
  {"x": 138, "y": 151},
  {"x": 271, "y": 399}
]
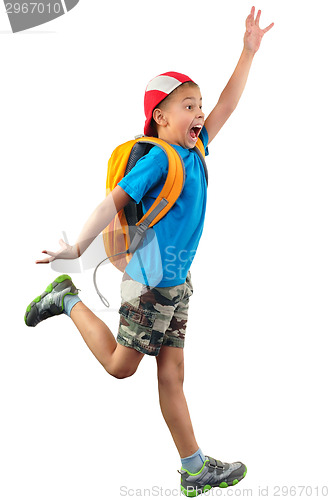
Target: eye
[{"x": 189, "y": 106}]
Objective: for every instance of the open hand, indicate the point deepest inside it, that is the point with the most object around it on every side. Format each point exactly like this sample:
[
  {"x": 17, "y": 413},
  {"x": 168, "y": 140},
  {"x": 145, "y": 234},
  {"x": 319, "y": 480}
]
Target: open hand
[
  {"x": 254, "y": 34},
  {"x": 66, "y": 252}
]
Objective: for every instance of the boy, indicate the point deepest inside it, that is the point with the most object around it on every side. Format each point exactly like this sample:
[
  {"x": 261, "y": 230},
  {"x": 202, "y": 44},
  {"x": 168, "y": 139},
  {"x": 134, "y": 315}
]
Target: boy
[{"x": 153, "y": 320}]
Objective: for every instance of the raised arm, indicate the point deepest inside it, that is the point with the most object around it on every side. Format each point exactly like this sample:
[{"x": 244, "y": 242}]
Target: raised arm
[
  {"x": 231, "y": 94},
  {"x": 98, "y": 220}
]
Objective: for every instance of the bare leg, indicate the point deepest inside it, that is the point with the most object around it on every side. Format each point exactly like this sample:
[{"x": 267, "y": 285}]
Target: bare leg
[
  {"x": 172, "y": 399},
  {"x": 118, "y": 360}
]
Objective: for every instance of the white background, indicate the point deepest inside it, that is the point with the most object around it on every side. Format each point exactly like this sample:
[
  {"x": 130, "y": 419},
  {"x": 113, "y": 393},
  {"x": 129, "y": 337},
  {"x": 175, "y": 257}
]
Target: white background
[{"x": 257, "y": 342}]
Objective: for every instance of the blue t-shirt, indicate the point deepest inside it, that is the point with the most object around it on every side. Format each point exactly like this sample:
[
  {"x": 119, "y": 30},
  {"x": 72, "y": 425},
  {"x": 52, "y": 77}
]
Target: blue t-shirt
[{"x": 166, "y": 254}]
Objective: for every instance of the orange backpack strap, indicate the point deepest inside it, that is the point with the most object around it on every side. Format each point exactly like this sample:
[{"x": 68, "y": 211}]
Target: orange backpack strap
[
  {"x": 168, "y": 195},
  {"x": 200, "y": 146},
  {"x": 200, "y": 150}
]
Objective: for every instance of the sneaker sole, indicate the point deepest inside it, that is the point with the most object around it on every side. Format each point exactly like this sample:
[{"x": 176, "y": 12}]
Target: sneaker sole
[
  {"x": 49, "y": 289},
  {"x": 207, "y": 487}
]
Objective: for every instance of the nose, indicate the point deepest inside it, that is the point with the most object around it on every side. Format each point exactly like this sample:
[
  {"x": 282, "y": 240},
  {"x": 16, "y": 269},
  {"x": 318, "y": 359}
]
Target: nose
[{"x": 200, "y": 113}]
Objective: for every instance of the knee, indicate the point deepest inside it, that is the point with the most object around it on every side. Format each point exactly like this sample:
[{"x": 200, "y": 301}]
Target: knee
[
  {"x": 171, "y": 376},
  {"x": 120, "y": 371}
]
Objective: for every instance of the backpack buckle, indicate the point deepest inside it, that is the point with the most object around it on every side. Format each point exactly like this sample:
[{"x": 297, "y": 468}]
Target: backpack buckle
[{"x": 141, "y": 228}]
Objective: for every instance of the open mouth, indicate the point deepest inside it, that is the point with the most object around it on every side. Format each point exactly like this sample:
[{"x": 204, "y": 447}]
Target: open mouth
[{"x": 195, "y": 131}]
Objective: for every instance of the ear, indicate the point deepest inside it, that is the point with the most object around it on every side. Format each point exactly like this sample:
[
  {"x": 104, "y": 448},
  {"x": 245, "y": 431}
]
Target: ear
[{"x": 159, "y": 117}]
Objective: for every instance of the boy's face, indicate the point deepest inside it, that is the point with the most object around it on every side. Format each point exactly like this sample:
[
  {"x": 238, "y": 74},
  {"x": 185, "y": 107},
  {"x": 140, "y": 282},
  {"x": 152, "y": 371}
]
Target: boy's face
[{"x": 181, "y": 118}]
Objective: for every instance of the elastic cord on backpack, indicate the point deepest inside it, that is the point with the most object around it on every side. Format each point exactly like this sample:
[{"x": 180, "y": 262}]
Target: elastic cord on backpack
[{"x": 103, "y": 299}]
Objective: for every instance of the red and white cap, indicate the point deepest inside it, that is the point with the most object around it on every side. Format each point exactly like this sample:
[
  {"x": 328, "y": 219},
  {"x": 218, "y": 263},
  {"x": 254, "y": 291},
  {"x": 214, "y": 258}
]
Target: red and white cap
[{"x": 157, "y": 89}]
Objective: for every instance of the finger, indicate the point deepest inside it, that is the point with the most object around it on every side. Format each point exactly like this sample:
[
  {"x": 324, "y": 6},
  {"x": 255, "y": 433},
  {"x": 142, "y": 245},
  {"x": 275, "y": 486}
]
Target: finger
[
  {"x": 48, "y": 252},
  {"x": 258, "y": 17},
  {"x": 44, "y": 261},
  {"x": 250, "y": 18},
  {"x": 268, "y": 28},
  {"x": 63, "y": 245}
]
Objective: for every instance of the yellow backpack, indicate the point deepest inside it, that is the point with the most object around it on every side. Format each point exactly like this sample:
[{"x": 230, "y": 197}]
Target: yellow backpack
[{"x": 126, "y": 231}]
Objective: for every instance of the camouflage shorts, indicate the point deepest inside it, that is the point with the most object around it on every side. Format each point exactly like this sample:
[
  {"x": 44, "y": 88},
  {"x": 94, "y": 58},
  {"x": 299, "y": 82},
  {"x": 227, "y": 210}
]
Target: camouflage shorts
[{"x": 150, "y": 318}]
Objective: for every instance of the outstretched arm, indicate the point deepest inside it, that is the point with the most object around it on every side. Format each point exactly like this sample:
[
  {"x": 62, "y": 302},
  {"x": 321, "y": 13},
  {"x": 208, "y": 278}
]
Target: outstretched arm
[
  {"x": 232, "y": 92},
  {"x": 98, "y": 220}
]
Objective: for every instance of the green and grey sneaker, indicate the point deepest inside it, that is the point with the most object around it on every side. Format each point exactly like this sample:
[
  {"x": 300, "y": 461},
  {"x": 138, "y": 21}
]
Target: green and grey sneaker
[
  {"x": 212, "y": 474},
  {"x": 50, "y": 302}
]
